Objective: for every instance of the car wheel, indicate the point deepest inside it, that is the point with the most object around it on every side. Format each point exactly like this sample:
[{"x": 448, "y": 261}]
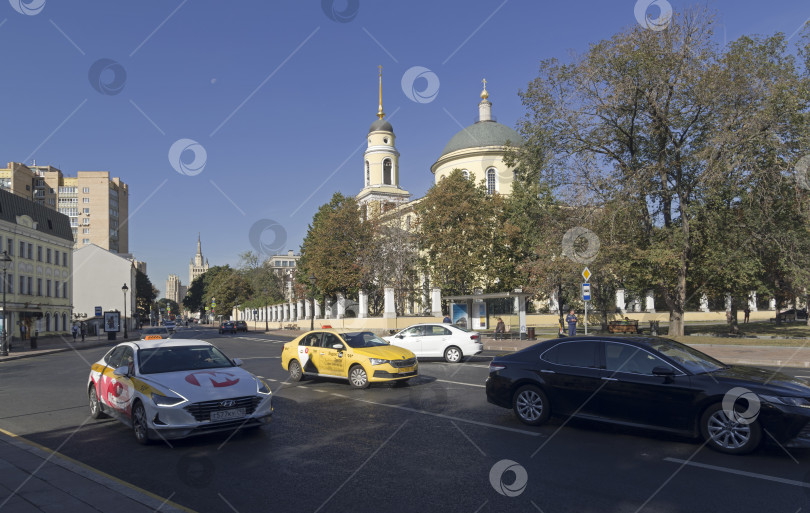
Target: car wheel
[
  {"x": 531, "y": 405},
  {"x": 452, "y": 354},
  {"x": 295, "y": 370},
  {"x": 358, "y": 377},
  {"x": 95, "y": 407},
  {"x": 729, "y": 435},
  {"x": 139, "y": 425}
]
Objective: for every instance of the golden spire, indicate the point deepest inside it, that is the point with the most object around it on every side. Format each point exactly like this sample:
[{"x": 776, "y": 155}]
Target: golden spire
[
  {"x": 484, "y": 93},
  {"x": 380, "y": 113}
]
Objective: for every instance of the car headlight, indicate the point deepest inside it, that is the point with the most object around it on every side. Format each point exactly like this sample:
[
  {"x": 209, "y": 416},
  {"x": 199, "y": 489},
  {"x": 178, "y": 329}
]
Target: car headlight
[
  {"x": 262, "y": 388},
  {"x": 378, "y": 361},
  {"x": 786, "y": 401},
  {"x": 165, "y": 400}
]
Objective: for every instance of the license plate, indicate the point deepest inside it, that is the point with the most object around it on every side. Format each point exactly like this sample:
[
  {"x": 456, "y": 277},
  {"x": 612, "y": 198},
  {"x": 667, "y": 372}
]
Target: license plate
[
  {"x": 403, "y": 370},
  {"x": 237, "y": 413}
]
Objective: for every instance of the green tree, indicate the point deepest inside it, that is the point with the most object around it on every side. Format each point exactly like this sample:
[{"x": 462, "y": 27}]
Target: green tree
[
  {"x": 145, "y": 294},
  {"x": 169, "y": 306},
  {"x": 262, "y": 279}
]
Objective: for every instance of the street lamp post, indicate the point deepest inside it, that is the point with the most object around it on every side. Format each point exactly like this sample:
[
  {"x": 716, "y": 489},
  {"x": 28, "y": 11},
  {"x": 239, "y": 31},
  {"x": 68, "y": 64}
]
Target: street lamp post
[
  {"x": 266, "y": 326},
  {"x": 312, "y": 293},
  {"x": 124, "y": 289},
  {"x": 5, "y": 262}
]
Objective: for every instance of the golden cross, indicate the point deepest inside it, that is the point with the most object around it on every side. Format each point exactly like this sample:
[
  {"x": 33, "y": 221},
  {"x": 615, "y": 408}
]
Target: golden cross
[{"x": 485, "y": 83}]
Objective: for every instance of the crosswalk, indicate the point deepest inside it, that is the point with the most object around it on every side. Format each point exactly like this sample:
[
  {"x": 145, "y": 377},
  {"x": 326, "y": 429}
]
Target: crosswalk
[{"x": 272, "y": 341}]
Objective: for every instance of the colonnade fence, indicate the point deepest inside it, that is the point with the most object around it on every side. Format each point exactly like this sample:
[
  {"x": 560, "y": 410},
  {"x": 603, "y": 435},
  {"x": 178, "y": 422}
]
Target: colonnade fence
[{"x": 549, "y": 320}]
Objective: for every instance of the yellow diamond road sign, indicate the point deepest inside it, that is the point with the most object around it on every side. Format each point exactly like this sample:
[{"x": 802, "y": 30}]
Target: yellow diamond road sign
[{"x": 586, "y": 274}]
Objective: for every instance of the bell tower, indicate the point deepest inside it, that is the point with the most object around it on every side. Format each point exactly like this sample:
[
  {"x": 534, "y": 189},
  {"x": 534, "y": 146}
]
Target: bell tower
[{"x": 381, "y": 191}]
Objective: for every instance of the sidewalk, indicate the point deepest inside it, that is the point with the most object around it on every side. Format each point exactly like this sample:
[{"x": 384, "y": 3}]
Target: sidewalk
[
  {"x": 57, "y": 344},
  {"x": 38, "y": 479}
]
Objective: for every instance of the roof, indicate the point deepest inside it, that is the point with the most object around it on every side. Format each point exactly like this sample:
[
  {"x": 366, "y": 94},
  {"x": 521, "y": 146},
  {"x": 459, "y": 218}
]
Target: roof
[
  {"x": 48, "y": 220},
  {"x": 381, "y": 124},
  {"x": 480, "y": 134}
]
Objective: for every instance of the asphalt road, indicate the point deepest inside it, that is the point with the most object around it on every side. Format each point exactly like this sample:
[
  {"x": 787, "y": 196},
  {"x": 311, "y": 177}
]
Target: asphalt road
[{"x": 434, "y": 445}]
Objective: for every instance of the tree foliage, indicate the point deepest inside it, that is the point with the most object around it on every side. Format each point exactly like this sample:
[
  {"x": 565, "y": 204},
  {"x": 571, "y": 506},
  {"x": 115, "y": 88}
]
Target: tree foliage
[{"x": 145, "y": 294}]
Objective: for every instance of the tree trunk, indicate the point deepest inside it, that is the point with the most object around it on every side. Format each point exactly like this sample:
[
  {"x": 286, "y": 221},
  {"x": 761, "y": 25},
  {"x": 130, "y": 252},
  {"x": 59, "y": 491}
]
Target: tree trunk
[{"x": 675, "y": 323}]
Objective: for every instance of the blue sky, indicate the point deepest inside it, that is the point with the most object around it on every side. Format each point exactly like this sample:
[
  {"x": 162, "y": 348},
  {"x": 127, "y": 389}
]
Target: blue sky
[{"x": 278, "y": 94}]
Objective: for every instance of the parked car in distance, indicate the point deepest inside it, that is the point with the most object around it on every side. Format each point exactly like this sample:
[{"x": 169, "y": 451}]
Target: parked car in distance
[
  {"x": 439, "y": 340},
  {"x": 358, "y": 356},
  {"x": 155, "y": 332},
  {"x": 793, "y": 315},
  {"x": 654, "y": 383},
  {"x": 176, "y": 388},
  {"x": 227, "y": 327},
  {"x": 241, "y": 326}
]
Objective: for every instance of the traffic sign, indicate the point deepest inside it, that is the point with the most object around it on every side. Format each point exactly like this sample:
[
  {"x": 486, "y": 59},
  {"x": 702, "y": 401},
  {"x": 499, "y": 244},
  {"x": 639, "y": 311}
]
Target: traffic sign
[
  {"x": 98, "y": 311},
  {"x": 586, "y": 291},
  {"x": 586, "y": 274}
]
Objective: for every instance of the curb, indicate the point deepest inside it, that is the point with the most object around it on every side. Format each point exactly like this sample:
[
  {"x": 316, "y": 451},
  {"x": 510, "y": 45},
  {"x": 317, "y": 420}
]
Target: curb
[{"x": 41, "y": 352}]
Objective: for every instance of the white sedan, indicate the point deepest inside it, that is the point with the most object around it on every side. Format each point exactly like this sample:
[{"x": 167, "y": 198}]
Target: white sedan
[
  {"x": 176, "y": 388},
  {"x": 439, "y": 340}
]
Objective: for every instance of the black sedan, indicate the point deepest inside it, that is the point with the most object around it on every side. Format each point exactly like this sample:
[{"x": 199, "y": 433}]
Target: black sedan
[
  {"x": 656, "y": 383},
  {"x": 227, "y": 327}
]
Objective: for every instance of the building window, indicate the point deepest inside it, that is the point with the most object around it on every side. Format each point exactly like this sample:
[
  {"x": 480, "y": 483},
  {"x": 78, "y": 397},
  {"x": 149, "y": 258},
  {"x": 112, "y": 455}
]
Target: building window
[
  {"x": 31, "y": 251},
  {"x": 48, "y": 255},
  {"x": 85, "y": 200},
  {"x": 85, "y": 221},
  {"x": 64, "y": 259},
  {"x": 64, "y": 289},
  {"x": 10, "y": 247},
  {"x": 56, "y": 256},
  {"x": 85, "y": 241},
  {"x": 48, "y": 288},
  {"x": 64, "y": 321},
  {"x": 10, "y": 283},
  {"x": 368, "y": 174},
  {"x": 86, "y": 231},
  {"x": 39, "y": 253},
  {"x": 22, "y": 284},
  {"x": 39, "y": 286},
  {"x": 22, "y": 249},
  {"x": 387, "y": 172},
  {"x": 56, "y": 288},
  {"x": 86, "y": 211},
  {"x": 465, "y": 173},
  {"x": 48, "y": 321},
  {"x": 491, "y": 181},
  {"x": 86, "y": 190},
  {"x": 30, "y": 287}
]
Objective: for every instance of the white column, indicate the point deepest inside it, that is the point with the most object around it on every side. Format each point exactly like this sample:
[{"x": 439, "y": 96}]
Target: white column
[
  {"x": 704, "y": 303},
  {"x": 772, "y": 304},
  {"x": 308, "y": 309},
  {"x": 293, "y": 312},
  {"x": 752, "y": 301},
  {"x": 277, "y": 313},
  {"x": 553, "y": 303},
  {"x": 301, "y": 316},
  {"x": 341, "y": 306},
  {"x": 327, "y": 307},
  {"x": 728, "y": 302},
  {"x": 436, "y": 302},
  {"x": 649, "y": 301},
  {"x": 318, "y": 309},
  {"x": 362, "y": 299},
  {"x": 521, "y": 301},
  {"x": 620, "y": 302},
  {"x": 389, "y": 309}
]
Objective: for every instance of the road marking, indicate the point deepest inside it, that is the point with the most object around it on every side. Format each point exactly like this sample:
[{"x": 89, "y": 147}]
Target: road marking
[
  {"x": 764, "y": 477},
  {"x": 441, "y": 415},
  {"x": 258, "y": 357},
  {"x": 461, "y": 383}
]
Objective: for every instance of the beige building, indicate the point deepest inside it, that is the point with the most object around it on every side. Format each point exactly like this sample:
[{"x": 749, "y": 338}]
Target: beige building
[
  {"x": 97, "y": 205},
  {"x": 284, "y": 266},
  {"x": 175, "y": 290},
  {"x": 39, "y": 279},
  {"x": 198, "y": 264}
]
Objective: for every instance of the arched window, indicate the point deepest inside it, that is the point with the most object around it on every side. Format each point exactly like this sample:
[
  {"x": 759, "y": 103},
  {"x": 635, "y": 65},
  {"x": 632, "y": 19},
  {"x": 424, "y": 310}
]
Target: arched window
[
  {"x": 387, "y": 174},
  {"x": 465, "y": 173},
  {"x": 56, "y": 322},
  {"x": 47, "y": 322},
  {"x": 491, "y": 189},
  {"x": 368, "y": 174},
  {"x": 64, "y": 322}
]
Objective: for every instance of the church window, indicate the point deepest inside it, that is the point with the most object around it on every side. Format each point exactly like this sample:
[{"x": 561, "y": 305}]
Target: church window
[
  {"x": 385, "y": 140},
  {"x": 387, "y": 175},
  {"x": 368, "y": 174},
  {"x": 466, "y": 174},
  {"x": 491, "y": 181}
]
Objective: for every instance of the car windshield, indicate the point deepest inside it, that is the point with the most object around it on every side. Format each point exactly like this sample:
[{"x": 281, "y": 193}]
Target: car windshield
[
  {"x": 363, "y": 339},
  {"x": 179, "y": 358},
  {"x": 689, "y": 358}
]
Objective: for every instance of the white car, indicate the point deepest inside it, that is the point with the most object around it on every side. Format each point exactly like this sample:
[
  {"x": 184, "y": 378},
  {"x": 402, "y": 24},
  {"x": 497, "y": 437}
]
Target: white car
[
  {"x": 176, "y": 388},
  {"x": 438, "y": 340}
]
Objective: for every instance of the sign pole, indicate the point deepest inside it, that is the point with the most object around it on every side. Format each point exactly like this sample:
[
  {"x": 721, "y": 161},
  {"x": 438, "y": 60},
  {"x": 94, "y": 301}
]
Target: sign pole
[
  {"x": 586, "y": 294},
  {"x": 586, "y": 317}
]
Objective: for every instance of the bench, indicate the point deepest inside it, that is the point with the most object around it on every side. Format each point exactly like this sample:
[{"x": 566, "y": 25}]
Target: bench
[{"x": 623, "y": 327}]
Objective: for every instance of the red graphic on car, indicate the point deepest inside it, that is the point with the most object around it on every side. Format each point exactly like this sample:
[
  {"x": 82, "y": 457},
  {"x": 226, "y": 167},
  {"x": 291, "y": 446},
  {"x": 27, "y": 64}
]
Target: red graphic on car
[{"x": 218, "y": 379}]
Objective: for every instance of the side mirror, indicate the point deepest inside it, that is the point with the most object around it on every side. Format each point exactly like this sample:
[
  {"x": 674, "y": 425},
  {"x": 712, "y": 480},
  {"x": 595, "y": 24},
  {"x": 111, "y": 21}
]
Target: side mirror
[
  {"x": 238, "y": 362},
  {"x": 400, "y": 336},
  {"x": 663, "y": 371},
  {"x": 121, "y": 372},
  {"x": 337, "y": 346}
]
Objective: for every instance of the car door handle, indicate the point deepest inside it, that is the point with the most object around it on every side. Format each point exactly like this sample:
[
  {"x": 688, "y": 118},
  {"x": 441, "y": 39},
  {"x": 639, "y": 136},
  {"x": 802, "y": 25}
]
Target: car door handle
[
  {"x": 547, "y": 371},
  {"x": 610, "y": 379}
]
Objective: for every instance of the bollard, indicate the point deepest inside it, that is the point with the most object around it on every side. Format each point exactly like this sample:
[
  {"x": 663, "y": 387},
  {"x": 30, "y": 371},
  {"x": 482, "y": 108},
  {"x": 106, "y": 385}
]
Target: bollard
[{"x": 34, "y": 340}]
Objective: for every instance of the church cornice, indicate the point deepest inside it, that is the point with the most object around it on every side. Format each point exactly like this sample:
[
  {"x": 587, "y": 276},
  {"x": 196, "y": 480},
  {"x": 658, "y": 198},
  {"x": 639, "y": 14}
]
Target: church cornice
[{"x": 483, "y": 151}]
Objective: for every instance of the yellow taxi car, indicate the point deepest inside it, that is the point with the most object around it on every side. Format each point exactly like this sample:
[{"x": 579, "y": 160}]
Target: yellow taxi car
[{"x": 359, "y": 356}]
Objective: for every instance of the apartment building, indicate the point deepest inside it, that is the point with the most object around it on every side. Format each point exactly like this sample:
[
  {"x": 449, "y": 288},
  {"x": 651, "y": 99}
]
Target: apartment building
[
  {"x": 96, "y": 204},
  {"x": 175, "y": 290},
  {"x": 38, "y": 283}
]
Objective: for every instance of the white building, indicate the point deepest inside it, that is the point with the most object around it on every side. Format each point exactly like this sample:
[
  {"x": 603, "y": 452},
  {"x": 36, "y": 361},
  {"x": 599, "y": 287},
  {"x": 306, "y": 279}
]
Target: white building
[{"x": 98, "y": 278}]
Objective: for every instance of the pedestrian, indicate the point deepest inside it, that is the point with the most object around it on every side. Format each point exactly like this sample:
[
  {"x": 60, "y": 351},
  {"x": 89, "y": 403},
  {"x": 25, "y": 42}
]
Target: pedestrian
[
  {"x": 571, "y": 319},
  {"x": 75, "y": 331},
  {"x": 500, "y": 329},
  {"x": 446, "y": 319},
  {"x": 747, "y": 313},
  {"x": 84, "y": 331}
]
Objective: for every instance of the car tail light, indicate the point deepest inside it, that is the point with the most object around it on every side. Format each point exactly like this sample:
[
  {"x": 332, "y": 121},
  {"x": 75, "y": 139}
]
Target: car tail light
[
  {"x": 473, "y": 337},
  {"x": 495, "y": 367}
]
